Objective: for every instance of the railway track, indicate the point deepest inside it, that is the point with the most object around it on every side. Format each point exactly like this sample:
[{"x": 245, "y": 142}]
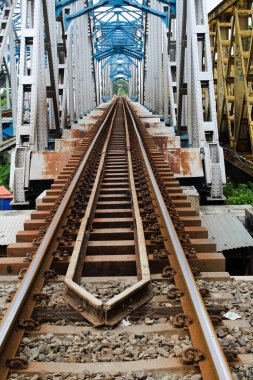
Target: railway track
[{"x": 113, "y": 230}]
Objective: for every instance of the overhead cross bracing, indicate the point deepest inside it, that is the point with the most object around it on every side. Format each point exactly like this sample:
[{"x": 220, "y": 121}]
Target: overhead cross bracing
[{"x": 69, "y": 53}]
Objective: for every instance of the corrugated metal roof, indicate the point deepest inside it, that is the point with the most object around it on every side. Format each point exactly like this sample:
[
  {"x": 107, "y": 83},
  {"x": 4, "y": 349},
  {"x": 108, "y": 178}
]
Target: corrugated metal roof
[
  {"x": 10, "y": 223},
  {"x": 227, "y": 231}
]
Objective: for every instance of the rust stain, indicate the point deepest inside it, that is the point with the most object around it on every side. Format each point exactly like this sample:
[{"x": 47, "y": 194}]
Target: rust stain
[
  {"x": 94, "y": 117},
  {"x": 66, "y": 145},
  {"x": 184, "y": 162},
  {"x": 161, "y": 142},
  {"x": 165, "y": 142},
  {"x": 47, "y": 165},
  {"x": 77, "y": 133},
  {"x": 155, "y": 125},
  {"x": 54, "y": 162}
]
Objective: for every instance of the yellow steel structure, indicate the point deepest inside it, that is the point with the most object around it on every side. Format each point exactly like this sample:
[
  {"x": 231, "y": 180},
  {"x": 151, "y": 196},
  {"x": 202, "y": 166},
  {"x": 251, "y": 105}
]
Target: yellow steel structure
[{"x": 231, "y": 34}]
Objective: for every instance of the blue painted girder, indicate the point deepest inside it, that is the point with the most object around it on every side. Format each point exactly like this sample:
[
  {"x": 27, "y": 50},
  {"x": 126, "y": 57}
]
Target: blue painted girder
[
  {"x": 117, "y": 31},
  {"x": 111, "y": 3}
]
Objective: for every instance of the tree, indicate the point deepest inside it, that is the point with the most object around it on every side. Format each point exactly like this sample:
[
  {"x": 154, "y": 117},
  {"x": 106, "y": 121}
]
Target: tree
[{"x": 120, "y": 87}]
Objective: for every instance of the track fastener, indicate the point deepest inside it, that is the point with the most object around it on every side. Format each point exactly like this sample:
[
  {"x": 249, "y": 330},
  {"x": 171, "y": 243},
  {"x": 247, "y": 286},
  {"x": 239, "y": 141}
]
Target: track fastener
[
  {"x": 231, "y": 355},
  {"x": 174, "y": 293},
  {"x": 39, "y": 297},
  {"x": 169, "y": 272},
  {"x": 17, "y": 363},
  {"x": 182, "y": 320},
  {"x": 28, "y": 324},
  {"x": 204, "y": 292},
  {"x": 192, "y": 355},
  {"x": 190, "y": 253},
  {"x": 195, "y": 271},
  {"x": 60, "y": 255},
  {"x": 216, "y": 320},
  {"x": 29, "y": 257},
  {"x": 11, "y": 295},
  {"x": 36, "y": 242},
  {"x": 50, "y": 274},
  {"x": 22, "y": 273}
]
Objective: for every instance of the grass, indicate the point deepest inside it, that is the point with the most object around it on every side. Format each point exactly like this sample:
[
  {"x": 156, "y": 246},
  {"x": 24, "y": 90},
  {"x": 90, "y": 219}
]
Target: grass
[{"x": 238, "y": 195}]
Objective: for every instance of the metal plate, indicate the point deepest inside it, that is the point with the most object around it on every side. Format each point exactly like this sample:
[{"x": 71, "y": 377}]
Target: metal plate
[
  {"x": 47, "y": 165},
  {"x": 184, "y": 162}
]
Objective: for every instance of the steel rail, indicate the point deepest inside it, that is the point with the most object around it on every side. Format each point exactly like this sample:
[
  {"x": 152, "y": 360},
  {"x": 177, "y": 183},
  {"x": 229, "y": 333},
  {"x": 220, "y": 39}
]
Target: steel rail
[
  {"x": 219, "y": 362},
  {"x": 11, "y": 316},
  {"x": 95, "y": 305},
  {"x": 96, "y": 311}
]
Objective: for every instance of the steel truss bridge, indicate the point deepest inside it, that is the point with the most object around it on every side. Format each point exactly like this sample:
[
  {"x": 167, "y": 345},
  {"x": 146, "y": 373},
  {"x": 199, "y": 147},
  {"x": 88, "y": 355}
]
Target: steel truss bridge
[
  {"x": 231, "y": 35},
  {"x": 61, "y": 58}
]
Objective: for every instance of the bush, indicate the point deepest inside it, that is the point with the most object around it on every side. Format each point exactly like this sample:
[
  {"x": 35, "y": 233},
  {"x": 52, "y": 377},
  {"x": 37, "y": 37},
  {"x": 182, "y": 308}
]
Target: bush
[
  {"x": 4, "y": 175},
  {"x": 238, "y": 195}
]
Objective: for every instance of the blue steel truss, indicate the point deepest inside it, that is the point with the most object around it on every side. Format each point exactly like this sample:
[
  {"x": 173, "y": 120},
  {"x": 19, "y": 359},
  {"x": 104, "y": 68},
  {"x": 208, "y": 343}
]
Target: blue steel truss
[
  {"x": 117, "y": 30},
  {"x": 16, "y": 22}
]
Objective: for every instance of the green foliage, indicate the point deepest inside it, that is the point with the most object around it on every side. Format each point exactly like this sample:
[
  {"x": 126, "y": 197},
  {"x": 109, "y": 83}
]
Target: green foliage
[
  {"x": 4, "y": 175},
  {"x": 4, "y": 170},
  {"x": 120, "y": 87},
  {"x": 238, "y": 195},
  {"x": 3, "y": 102},
  {"x": 3, "y": 99}
]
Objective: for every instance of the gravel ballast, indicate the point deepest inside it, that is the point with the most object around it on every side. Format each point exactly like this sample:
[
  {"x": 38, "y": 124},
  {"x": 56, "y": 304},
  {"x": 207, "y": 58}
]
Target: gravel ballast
[
  {"x": 117, "y": 376},
  {"x": 6, "y": 290},
  {"x": 104, "y": 347}
]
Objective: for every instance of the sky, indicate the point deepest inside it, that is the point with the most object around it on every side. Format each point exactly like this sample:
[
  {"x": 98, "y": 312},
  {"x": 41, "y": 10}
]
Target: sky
[{"x": 211, "y": 4}]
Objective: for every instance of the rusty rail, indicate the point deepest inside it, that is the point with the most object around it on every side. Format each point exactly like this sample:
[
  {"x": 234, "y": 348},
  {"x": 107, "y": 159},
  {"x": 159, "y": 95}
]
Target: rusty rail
[
  {"x": 207, "y": 351},
  {"x": 10, "y": 319},
  {"x": 97, "y": 312}
]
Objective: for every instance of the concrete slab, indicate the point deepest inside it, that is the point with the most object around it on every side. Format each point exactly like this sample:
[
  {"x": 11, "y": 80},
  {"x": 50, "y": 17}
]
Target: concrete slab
[{"x": 193, "y": 196}]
